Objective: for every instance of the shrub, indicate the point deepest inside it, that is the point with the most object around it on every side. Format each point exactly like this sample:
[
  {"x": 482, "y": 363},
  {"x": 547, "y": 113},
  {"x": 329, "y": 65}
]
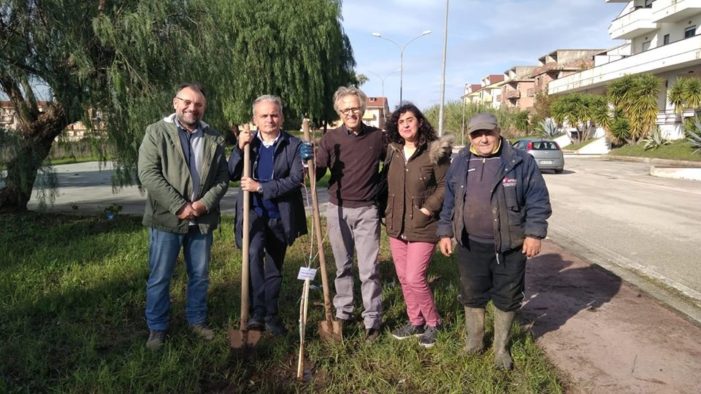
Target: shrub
[
  {"x": 694, "y": 136},
  {"x": 548, "y": 128},
  {"x": 618, "y": 131},
  {"x": 655, "y": 140}
]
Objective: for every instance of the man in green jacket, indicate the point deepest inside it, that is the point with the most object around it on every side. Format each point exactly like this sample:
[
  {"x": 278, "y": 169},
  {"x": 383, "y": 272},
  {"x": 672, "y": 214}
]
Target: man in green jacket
[{"x": 182, "y": 165}]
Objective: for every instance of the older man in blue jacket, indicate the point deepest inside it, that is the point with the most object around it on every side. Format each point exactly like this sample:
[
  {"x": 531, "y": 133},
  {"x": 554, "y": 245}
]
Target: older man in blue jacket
[
  {"x": 496, "y": 206},
  {"x": 277, "y": 210}
]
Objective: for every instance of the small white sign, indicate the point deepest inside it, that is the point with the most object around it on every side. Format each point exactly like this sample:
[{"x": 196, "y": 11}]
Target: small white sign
[{"x": 306, "y": 273}]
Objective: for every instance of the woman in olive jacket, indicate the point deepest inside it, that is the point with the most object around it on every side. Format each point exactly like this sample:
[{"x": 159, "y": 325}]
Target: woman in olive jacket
[{"x": 417, "y": 163}]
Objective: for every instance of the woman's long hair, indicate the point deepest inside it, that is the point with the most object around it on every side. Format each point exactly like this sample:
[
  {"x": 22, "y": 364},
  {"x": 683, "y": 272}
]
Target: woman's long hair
[{"x": 426, "y": 133}]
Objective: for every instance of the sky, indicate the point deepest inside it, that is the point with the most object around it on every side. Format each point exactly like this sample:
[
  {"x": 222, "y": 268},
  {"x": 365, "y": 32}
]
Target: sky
[{"x": 484, "y": 37}]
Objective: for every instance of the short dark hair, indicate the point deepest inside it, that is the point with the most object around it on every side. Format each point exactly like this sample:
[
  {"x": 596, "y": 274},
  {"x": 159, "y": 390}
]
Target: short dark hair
[
  {"x": 196, "y": 86},
  {"x": 426, "y": 132}
]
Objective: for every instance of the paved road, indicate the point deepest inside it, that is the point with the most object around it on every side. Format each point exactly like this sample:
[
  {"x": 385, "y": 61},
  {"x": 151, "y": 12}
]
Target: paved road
[
  {"x": 87, "y": 188},
  {"x": 616, "y": 215}
]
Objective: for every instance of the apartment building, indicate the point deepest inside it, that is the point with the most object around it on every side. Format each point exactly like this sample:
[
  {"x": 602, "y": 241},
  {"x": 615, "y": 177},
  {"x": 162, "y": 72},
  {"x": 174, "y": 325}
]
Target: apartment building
[
  {"x": 518, "y": 90},
  {"x": 517, "y": 87},
  {"x": 561, "y": 63},
  {"x": 472, "y": 93},
  {"x": 660, "y": 38}
]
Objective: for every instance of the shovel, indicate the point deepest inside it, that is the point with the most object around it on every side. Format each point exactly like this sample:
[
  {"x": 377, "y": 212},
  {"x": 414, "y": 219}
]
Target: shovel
[
  {"x": 243, "y": 338},
  {"x": 329, "y": 329}
]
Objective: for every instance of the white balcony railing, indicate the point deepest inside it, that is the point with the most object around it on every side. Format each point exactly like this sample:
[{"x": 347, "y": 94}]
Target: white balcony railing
[
  {"x": 633, "y": 24},
  {"x": 673, "y": 56},
  {"x": 667, "y": 11}
]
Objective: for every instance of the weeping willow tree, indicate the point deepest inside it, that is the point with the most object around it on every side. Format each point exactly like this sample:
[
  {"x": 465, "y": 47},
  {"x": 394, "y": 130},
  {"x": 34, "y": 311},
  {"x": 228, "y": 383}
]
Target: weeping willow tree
[
  {"x": 123, "y": 59},
  {"x": 294, "y": 49}
]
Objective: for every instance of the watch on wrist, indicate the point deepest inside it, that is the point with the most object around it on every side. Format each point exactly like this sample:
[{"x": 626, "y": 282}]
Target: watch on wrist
[{"x": 260, "y": 189}]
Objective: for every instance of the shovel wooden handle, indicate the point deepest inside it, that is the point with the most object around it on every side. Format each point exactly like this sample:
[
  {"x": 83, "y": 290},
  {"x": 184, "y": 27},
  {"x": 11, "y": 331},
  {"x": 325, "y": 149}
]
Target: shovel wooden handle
[
  {"x": 245, "y": 305},
  {"x": 316, "y": 222}
]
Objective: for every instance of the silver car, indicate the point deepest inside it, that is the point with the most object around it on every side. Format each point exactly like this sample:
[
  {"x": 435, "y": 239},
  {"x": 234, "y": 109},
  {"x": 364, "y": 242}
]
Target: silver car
[{"x": 546, "y": 153}]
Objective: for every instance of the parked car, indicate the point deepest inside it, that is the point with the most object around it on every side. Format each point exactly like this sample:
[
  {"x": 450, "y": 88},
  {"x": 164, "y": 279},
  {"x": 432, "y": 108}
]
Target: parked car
[{"x": 546, "y": 153}]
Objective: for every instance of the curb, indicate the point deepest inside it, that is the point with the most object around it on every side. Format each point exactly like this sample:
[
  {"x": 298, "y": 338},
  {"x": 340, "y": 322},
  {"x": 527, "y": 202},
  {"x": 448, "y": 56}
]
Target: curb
[
  {"x": 666, "y": 168},
  {"x": 652, "y": 160}
]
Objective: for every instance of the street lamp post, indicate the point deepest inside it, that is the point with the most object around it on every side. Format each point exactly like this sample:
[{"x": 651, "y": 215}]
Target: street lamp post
[
  {"x": 382, "y": 79},
  {"x": 401, "y": 56},
  {"x": 445, "y": 51}
]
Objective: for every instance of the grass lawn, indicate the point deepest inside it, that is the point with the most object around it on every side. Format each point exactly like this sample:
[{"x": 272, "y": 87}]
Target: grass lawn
[
  {"x": 675, "y": 150},
  {"x": 72, "y": 294}
]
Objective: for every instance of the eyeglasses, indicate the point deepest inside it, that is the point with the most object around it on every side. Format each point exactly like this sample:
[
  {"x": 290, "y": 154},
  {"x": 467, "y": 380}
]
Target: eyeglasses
[
  {"x": 190, "y": 102},
  {"x": 347, "y": 111}
]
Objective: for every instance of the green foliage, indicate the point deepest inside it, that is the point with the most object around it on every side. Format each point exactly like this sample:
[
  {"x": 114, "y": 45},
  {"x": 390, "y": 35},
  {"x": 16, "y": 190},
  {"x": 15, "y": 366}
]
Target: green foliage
[
  {"x": 72, "y": 313},
  {"x": 512, "y": 122},
  {"x": 542, "y": 105},
  {"x": 655, "y": 140},
  {"x": 548, "y": 128},
  {"x": 580, "y": 110},
  {"x": 675, "y": 150},
  {"x": 361, "y": 79},
  {"x": 295, "y": 50},
  {"x": 685, "y": 94},
  {"x": 125, "y": 59},
  {"x": 694, "y": 136},
  {"x": 521, "y": 121},
  {"x": 618, "y": 130},
  {"x": 635, "y": 97}
]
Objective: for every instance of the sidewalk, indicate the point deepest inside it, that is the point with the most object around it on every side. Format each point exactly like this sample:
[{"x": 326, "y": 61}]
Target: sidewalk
[{"x": 604, "y": 334}]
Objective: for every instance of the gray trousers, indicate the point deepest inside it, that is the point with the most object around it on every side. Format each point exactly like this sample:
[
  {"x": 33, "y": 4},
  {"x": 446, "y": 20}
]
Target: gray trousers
[{"x": 356, "y": 229}]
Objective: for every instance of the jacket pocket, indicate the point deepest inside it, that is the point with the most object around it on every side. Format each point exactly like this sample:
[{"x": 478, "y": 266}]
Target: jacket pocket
[{"x": 426, "y": 176}]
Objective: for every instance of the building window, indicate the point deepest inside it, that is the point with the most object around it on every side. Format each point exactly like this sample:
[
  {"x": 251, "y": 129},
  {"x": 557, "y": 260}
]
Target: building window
[
  {"x": 665, "y": 39},
  {"x": 690, "y": 31},
  {"x": 646, "y": 45}
]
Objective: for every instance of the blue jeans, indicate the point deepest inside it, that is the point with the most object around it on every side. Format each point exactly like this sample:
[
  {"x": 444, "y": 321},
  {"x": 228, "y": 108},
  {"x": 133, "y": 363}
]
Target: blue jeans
[{"x": 164, "y": 248}]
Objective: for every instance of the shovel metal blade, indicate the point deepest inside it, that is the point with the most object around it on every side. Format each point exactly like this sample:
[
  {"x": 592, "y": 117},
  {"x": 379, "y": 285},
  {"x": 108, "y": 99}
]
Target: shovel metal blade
[
  {"x": 239, "y": 339},
  {"x": 331, "y": 330}
]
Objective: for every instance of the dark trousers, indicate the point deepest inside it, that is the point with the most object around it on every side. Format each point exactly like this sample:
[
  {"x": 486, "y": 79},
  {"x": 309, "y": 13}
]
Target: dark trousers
[
  {"x": 266, "y": 253},
  {"x": 483, "y": 278}
]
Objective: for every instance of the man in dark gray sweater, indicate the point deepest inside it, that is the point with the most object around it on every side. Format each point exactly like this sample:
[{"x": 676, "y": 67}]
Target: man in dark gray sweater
[{"x": 353, "y": 153}]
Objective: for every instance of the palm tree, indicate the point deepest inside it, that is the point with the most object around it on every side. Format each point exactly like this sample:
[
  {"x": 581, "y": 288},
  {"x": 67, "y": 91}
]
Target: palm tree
[
  {"x": 583, "y": 111},
  {"x": 635, "y": 96},
  {"x": 685, "y": 94}
]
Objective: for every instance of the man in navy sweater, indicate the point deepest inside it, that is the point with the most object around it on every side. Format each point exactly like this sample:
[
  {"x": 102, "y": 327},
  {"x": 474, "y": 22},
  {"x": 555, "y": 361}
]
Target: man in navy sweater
[{"x": 277, "y": 210}]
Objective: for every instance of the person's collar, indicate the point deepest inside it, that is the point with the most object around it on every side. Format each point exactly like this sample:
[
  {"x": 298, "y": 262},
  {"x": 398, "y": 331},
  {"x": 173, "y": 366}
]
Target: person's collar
[
  {"x": 495, "y": 152},
  {"x": 180, "y": 126},
  {"x": 361, "y": 129},
  {"x": 270, "y": 143}
]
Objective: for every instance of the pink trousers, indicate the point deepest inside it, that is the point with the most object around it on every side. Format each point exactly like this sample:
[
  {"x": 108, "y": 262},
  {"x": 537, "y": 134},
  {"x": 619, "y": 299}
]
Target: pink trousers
[{"x": 411, "y": 261}]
